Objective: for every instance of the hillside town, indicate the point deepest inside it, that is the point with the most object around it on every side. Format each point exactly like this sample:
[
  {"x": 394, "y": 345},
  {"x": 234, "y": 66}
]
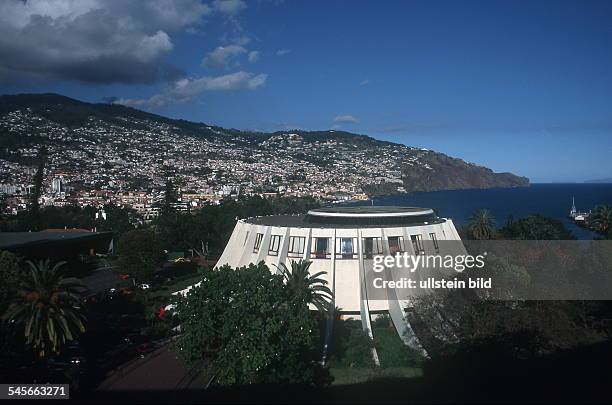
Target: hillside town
[{"x": 128, "y": 164}]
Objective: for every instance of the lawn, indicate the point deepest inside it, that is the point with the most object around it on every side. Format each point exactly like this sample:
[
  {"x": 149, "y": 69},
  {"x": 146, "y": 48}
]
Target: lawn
[{"x": 392, "y": 352}]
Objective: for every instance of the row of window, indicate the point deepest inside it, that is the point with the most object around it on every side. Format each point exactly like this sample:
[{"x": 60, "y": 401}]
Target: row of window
[{"x": 345, "y": 247}]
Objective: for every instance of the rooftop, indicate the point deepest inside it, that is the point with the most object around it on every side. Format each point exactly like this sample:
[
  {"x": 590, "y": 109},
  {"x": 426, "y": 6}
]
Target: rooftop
[
  {"x": 370, "y": 211},
  {"x": 353, "y": 217},
  {"x": 9, "y": 240}
]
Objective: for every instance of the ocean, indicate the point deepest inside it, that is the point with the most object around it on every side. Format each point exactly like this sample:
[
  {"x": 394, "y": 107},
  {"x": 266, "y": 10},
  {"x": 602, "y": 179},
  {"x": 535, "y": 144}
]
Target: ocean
[{"x": 551, "y": 200}]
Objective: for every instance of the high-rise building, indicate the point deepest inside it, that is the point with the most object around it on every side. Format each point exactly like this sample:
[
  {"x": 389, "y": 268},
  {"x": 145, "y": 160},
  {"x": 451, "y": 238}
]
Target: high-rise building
[{"x": 57, "y": 185}]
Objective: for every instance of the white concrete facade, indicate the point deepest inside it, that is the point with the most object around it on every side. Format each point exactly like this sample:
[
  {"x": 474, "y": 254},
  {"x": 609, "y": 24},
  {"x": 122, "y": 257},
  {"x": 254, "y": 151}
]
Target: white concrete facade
[{"x": 343, "y": 251}]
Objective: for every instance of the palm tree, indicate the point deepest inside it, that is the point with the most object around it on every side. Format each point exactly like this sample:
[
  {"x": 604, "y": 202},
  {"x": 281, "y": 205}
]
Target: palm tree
[
  {"x": 311, "y": 288},
  {"x": 601, "y": 218},
  {"x": 47, "y": 308},
  {"x": 482, "y": 224}
]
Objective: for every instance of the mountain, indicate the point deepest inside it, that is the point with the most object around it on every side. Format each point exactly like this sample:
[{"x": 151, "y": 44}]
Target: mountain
[
  {"x": 112, "y": 146},
  {"x": 605, "y": 181}
]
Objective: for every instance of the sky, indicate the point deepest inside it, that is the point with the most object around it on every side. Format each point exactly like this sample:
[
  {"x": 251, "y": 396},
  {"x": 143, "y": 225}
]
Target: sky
[{"x": 518, "y": 86}]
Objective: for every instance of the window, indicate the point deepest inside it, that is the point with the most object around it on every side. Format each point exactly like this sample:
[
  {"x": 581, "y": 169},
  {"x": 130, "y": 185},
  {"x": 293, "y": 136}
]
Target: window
[
  {"x": 434, "y": 239},
  {"x": 258, "y": 239},
  {"x": 246, "y": 238},
  {"x": 275, "y": 241},
  {"x": 396, "y": 244},
  {"x": 417, "y": 244},
  {"x": 321, "y": 248},
  {"x": 372, "y": 247},
  {"x": 296, "y": 246},
  {"x": 345, "y": 248}
]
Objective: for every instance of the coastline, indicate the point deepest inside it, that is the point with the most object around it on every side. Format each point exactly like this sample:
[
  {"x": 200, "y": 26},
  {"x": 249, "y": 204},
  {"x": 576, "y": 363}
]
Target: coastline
[{"x": 548, "y": 199}]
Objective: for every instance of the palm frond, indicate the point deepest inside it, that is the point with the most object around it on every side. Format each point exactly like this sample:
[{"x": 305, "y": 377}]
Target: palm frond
[{"x": 46, "y": 309}]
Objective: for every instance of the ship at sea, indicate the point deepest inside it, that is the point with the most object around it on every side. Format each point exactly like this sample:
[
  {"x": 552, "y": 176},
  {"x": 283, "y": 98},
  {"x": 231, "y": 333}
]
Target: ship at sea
[{"x": 581, "y": 218}]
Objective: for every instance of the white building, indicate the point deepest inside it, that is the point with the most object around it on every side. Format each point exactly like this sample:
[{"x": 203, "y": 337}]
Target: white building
[
  {"x": 344, "y": 242},
  {"x": 57, "y": 185}
]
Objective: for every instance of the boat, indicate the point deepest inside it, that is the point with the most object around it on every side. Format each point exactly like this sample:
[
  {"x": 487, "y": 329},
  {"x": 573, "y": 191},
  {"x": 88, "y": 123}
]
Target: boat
[{"x": 577, "y": 216}]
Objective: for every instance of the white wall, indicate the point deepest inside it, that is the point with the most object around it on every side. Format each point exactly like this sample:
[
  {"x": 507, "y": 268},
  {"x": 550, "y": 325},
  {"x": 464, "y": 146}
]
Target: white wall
[{"x": 342, "y": 275}]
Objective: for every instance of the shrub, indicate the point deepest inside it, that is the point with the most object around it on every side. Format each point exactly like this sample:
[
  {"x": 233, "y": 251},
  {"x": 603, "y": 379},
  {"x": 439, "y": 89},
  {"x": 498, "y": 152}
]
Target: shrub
[
  {"x": 392, "y": 352},
  {"x": 351, "y": 346},
  {"x": 139, "y": 254},
  {"x": 249, "y": 329}
]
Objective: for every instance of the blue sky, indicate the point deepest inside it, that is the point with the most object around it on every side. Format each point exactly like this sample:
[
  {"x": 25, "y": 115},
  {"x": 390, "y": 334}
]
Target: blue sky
[{"x": 520, "y": 86}]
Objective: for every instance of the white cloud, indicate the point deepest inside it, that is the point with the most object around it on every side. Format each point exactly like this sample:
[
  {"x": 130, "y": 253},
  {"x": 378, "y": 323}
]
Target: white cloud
[
  {"x": 229, "y": 7},
  {"x": 223, "y": 55},
  {"x": 253, "y": 56},
  {"x": 345, "y": 119},
  {"x": 364, "y": 82},
  {"x": 282, "y": 52},
  {"x": 100, "y": 41},
  {"x": 230, "y": 82},
  {"x": 187, "y": 89},
  {"x": 241, "y": 40}
]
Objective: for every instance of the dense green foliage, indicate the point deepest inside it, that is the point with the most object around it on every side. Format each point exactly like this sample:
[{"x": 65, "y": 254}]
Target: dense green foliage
[
  {"x": 212, "y": 225},
  {"x": 311, "y": 288},
  {"x": 392, "y": 351},
  {"x": 350, "y": 347},
  {"x": 249, "y": 328},
  {"x": 47, "y": 309},
  {"x": 9, "y": 276},
  {"x": 535, "y": 227},
  {"x": 118, "y": 220},
  {"x": 601, "y": 219},
  {"x": 498, "y": 322},
  {"x": 30, "y": 219},
  {"x": 139, "y": 254},
  {"x": 481, "y": 225}
]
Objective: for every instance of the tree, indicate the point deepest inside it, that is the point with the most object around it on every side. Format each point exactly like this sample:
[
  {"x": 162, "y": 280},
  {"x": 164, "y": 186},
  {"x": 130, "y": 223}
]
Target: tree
[
  {"x": 170, "y": 198},
  {"x": 176, "y": 230},
  {"x": 140, "y": 252},
  {"x": 9, "y": 274},
  {"x": 118, "y": 220},
  {"x": 601, "y": 219},
  {"x": 536, "y": 227},
  {"x": 311, "y": 289},
  {"x": 47, "y": 308},
  {"x": 38, "y": 179},
  {"x": 3, "y": 199},
  {"x": 247, "y": 327},
  {"x": 34, "y": 206},
  {"x": 482, "y": 225}
]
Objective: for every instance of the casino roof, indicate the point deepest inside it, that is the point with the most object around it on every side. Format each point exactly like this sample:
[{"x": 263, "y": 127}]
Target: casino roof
[{"x": 353, "y": 217}]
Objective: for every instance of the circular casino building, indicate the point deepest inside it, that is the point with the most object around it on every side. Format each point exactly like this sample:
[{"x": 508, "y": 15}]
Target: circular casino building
[{"x": 345, "y": 242}]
